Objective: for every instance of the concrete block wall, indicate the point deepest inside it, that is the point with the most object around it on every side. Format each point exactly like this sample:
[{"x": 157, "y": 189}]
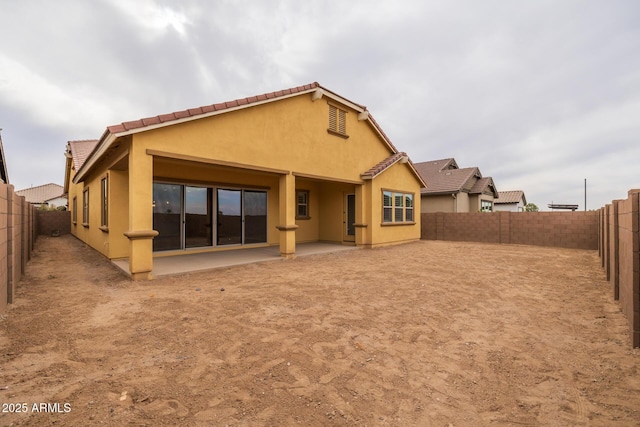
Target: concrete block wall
[
  {"x": 577, "y": 230},
  {"x": 620, "y": 252},
  {"x": 4, "y": 246},
  {"x": 49, "y": 221},
  {"x": 17, "y": 237}
]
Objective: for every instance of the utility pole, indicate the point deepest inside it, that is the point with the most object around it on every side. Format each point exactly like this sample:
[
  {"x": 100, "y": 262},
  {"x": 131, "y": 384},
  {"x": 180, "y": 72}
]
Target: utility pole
[{"x": 585, "y": 194}]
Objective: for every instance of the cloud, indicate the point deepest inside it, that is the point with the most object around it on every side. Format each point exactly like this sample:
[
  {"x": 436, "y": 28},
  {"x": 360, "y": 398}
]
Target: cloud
[
  {"x": 152, "y": 18},
  {"x": 539, "y": 95},
  {"x": 55, "y": 106}
]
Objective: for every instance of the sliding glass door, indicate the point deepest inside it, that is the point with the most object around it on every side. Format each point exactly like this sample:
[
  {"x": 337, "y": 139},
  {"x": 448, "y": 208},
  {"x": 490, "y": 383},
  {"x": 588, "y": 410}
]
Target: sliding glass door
[
  {"x": 167, "y": 216},
  {"x": 197, "y": 217},
  {"x": 229, "y": 227},
  {"x": 183, "y": 216},
  {"x": 255, "y": 216}
]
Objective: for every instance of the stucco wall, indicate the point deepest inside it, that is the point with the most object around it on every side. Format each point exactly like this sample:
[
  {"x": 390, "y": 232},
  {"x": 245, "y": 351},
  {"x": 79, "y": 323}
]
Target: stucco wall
[
  {"x": 442, "y": 203},
  {"x": 251, "y": 148},
  {"x": 446, "y": 203}
]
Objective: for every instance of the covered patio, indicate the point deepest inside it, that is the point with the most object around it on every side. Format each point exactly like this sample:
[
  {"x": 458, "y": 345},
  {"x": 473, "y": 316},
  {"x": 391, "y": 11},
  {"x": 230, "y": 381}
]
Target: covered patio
[{"x": 180, "y": 264}]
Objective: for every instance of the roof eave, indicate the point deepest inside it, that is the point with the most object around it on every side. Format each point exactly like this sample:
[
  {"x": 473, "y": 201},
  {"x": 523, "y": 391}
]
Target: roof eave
[
  {"x": 108, "y": 138},
  {"x": 101, "y": 147}
]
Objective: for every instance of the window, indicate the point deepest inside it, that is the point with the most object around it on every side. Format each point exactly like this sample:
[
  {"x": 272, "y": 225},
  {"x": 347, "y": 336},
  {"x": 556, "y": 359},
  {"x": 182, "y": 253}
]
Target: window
[
  {"x": 486, "y": 206},
  {"x": 302, "y": 204},
  {"x": 85, "y": 207},
  {"x": 408, "y": 207},
  {"x": 104, "y": 194},
  {"x": 337, "y": 121},
  {"x": 397, "y": 207},
  {"x": 387, "y": 206},
  {"x": 74, "y": 208}
]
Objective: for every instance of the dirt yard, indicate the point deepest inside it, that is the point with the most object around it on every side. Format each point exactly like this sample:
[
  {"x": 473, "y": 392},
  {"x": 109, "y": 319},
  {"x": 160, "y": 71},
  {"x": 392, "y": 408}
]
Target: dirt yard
[{"x": 423, "y": 334}]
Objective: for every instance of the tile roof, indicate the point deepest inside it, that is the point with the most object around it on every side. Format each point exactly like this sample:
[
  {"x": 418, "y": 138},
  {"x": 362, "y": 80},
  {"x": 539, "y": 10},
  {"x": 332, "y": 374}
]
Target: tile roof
[
  {"x": 383, "y": 165},
  {"x": 199, "y": 111},
  {"x": 482, "y": 184},
  {"x": 80, "y": 151},
  {"x": 205, "y": 111},
  {"x": 4, "y": 177},
  {"x": 440, "y": 165},
  {"x": 441, "y": 180},
  {"x": 510, "y": 197},
  {"x": 41, "y": 193}
]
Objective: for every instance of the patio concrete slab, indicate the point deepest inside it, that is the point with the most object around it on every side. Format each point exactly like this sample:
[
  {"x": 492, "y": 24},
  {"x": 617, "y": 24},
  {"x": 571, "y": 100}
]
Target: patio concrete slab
[{"x": 188, "y": 263}]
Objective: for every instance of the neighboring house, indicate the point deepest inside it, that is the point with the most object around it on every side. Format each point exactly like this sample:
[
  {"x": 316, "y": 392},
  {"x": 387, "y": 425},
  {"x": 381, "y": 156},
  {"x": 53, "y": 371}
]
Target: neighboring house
[
  {"x": 512, "y": 201},
  {"x": 49, "y": 195},
  {"x": 4, "y": 177},
  {"x": 298, "y": 165},
  {"x": 451, "y": 189}
]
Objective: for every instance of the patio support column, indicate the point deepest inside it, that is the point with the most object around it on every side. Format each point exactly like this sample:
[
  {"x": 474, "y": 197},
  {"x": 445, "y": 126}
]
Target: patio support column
[
  {"x": 361, "y": 219},
  {"x": 287, "y": 215},
  {"x": 141, "y": 232}
]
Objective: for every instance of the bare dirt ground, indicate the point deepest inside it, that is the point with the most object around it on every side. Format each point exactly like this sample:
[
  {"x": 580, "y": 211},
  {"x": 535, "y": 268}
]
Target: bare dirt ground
[{"x": 423, "y": 334}]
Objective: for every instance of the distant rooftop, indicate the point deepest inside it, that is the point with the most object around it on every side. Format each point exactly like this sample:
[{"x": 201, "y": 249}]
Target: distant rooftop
[
  {"x": 42, "y": 193},
  {"x": 505, "y": 197}
]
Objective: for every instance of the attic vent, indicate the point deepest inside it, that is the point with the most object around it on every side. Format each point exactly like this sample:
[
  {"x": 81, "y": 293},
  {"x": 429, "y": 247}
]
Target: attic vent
[{"x": 337, "y": 122}]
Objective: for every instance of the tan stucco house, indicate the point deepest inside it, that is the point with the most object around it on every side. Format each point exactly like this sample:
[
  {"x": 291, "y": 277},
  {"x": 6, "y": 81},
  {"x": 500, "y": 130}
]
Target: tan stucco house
[
  {"x": 4, "y": 176},
  {"x": 454, "y": 189},
  {"x": 299, "y": 165},
  {"x": 50, "y": 195},
  {"x": 510, "y": 201}
]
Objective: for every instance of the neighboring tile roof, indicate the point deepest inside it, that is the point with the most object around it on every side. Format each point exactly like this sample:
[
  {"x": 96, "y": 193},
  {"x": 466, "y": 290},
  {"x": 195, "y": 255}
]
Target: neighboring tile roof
[
  {"x": 80, "y": 151},
  {"x": 482, "y": 185},
  {"x": 4, "y": 177},
  {"x": 441, "y": 180},
  {"x": 440, "y": 165},
  {"x": 41, "y": 193},
  {"x": 510, "y": 197},
  {"x": 383, "y": 165}
]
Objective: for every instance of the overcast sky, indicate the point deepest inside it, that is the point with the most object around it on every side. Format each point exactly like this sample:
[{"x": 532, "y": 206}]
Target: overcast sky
[{"x": 538, "y": 94}]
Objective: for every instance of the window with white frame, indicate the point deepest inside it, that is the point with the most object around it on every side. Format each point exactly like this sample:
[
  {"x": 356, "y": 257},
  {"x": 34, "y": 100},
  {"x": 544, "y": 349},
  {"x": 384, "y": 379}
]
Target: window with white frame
[
  {"x": 85, "y": 206},
  {"x": 387, "y": 206},
  {"x": 74, "y": 212},
  {"x": 397, "y": 207},
  {"x": 398, "y": 211},
  {"x": 408, "y": 207},
  {"x": 486, "y": 206},
  {"x": 302, "y": 204},
  {"x": 104, "y": 210}
]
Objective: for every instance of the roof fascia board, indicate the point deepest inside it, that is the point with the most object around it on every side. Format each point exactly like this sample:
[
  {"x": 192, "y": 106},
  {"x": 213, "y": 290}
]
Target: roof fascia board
[
  {"x": 342, "y": 101},
  {"x": 427, "y": 192},
  {"x": 102, "y": 146},
  {"x": 403, "y": 160},
  {"x": 369, "y": 178},
  {"x": 210, "y": 114},
  {"x": 423, "y": 183},
  {"x": 105, "y": 143}
]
